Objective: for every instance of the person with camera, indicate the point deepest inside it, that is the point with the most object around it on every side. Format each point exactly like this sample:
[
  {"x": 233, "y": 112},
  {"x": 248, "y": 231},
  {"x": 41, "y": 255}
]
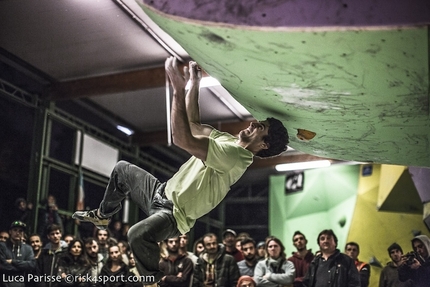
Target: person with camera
[
  {"x": 416, "y": 265},
  {"x": 389, "y": 275}
]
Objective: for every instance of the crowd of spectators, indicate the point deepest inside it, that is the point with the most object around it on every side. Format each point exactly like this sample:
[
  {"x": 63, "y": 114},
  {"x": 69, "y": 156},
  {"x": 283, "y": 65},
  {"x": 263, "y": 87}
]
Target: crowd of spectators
[{"x": 104, "y": 258}]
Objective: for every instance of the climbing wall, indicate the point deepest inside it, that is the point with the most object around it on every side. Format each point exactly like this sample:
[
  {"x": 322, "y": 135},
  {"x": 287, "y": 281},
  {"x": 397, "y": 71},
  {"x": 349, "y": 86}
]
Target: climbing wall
[{"x": 357, "y": 81}]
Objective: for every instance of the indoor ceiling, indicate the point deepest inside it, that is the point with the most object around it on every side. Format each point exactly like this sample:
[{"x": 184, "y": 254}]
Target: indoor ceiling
[{"x": 95, "y": 50}]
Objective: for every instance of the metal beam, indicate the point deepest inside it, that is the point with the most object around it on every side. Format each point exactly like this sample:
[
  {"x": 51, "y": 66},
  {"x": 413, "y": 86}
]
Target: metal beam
[
  {"x": 109, "y": 84},
  {"x": 150, "y": 78}
]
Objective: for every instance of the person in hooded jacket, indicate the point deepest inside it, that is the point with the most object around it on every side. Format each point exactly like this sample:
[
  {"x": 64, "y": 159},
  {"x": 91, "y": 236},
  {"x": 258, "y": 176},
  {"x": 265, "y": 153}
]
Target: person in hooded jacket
[
  {"x": 16, "y": 258},
  {"x": 417, "y": 267},
  {"x": 215, "y": 267}
]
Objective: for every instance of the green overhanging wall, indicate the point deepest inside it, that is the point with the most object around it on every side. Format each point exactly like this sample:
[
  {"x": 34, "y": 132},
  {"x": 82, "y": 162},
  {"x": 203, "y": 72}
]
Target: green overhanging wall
[
  {"x": 326, "y": 202},
  {"x": 349, "y": 85}
]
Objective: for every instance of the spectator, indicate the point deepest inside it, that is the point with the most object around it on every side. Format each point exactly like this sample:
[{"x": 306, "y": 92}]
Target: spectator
[
  {"x": 237, "y": 244},
  {"x": 416, "y": 266},
  {"x": 94, "y": 257},
  {"x": 24, "y": 238},
  {"x": 331, "y": 267},
  {"x": 302, "y": 258},
  {"x": 215, "y": 267},
  {"x": 115, "y": 229},
  {"x": 198, "y": 246},
  {"x": 389, "y": 274},
  {"x": 36, "y": 245},
  {"x": 275, "y": 270},
  {"x": 132, "y": 264},
  {"x": 163, "y": 249},
  {"x": 16, "y": 258},
  {"x": 183, "y": 244},
  {"x": 111, "y": 241},
  {"x": 239, "y": 238},
  {"x": 177, "y": 267},
  {"x": 22, "y": 212},
  {"x": 261, "y": 250},
  {"x": 249, "y": 251},
  {"x": 352, "y": 249},
  {"x": 115, "y": 268},
  {"x": 124, "y": 248},
  {"x": 69, "y": 238},
  {"x": 48, "y": 258},
  {"x": 4, "y": 236},
  {"x": 102, "y": 237},
  {"x": 229, "y": 241},
  {"x": 246, "y": 281},
  {"x": 124, "y": 231},
  {"x": 74, "y": 264},
  {"x": 48, "y": 215}
]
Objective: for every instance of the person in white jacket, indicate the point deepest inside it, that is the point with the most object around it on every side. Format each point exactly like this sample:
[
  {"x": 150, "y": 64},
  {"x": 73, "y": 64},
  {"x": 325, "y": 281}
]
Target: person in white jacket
[{"x": 275, "y": 270}]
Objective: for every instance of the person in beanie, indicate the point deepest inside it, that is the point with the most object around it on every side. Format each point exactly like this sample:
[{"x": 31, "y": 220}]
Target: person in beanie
[
  {"x": 229, "y": 241},
  {"x": 261, "y": 250},
  {"x": 246, "y": 281},
  {"x": 16, "y": 258},
  {"x": 389, "y": 275}
]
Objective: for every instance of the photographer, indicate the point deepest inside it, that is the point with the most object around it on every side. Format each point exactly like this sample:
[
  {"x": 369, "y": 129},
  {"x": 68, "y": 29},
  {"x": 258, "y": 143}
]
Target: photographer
[{"x": 416, "y": 265}]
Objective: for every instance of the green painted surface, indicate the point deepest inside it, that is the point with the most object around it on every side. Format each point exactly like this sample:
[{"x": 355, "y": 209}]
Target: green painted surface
[
  {"x": 363, "y": 92},
  {"x": 326, "y": 202}
]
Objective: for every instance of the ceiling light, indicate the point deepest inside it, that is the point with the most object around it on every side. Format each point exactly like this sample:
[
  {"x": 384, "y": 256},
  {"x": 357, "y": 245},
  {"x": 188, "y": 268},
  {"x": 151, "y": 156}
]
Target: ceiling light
[
  {"x": 302, "y": 165},
  {"x": 205, "y": 82},
  {"x": 125, "y": 130}
]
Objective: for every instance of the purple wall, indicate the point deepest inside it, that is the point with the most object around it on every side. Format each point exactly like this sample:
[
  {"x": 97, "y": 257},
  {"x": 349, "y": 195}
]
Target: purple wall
[
  {"x": 421, "y": 178},
  {"x": 299, "y": 13}
]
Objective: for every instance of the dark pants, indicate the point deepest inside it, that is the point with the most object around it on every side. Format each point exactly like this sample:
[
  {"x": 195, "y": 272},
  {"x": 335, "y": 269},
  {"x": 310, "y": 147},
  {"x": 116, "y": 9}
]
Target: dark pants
[{"x": 148, "y": 193}]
